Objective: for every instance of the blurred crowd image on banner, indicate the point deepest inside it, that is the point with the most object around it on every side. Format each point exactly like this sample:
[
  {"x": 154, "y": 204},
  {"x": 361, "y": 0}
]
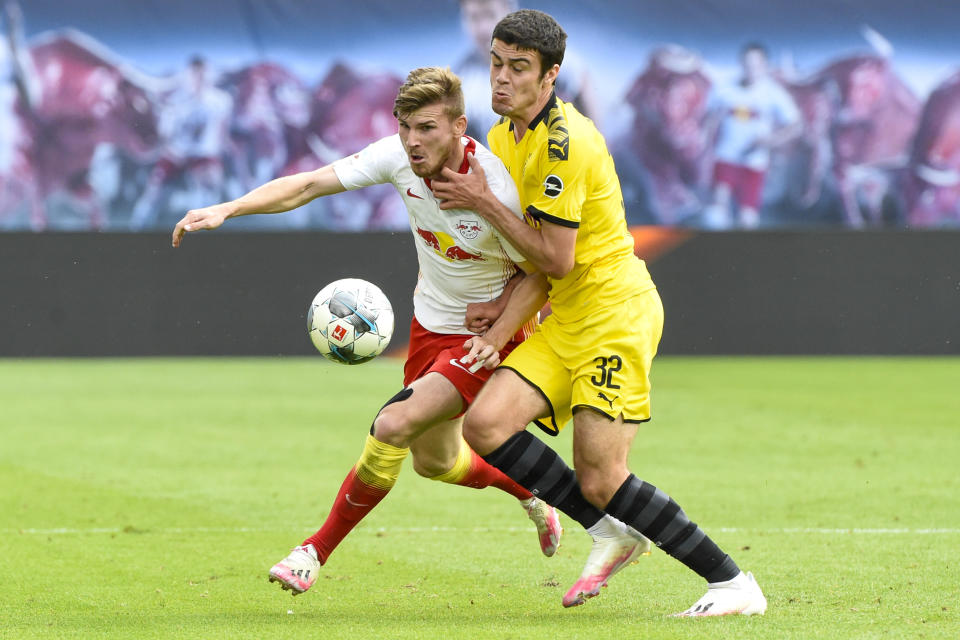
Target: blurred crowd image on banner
[
  {"x": 708, "y": 131},
  {"x": 848, "y": 145}
]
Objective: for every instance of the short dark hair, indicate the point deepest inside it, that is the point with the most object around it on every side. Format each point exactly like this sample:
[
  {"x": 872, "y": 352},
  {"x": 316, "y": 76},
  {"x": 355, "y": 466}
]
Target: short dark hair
[
  {"x": 755, "y": 45},
  {"x": 535, "y": 31}
]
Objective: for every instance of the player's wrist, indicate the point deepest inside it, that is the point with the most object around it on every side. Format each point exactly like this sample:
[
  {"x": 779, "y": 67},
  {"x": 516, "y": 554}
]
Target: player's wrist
[
  {"x": 495, "y": 338},
  {"x": 490, "y": 207},
  {"x": 233, "y": 209}
]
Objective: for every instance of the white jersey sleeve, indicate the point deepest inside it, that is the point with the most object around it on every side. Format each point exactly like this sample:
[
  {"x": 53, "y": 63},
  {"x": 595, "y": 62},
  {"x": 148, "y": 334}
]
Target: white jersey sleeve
[
  {"x": 375, "y": 164},
  {"x": 502, "y": 185}
]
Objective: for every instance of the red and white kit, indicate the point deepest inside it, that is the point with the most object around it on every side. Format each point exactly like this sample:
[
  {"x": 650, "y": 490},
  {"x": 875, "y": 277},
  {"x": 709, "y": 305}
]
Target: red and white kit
[{"x": 462, "y": 257}]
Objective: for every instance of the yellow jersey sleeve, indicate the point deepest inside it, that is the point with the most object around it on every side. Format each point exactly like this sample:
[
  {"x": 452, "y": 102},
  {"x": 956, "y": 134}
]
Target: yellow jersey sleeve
[
  {"x": 556, "y": 192},
  {"x": 565, "y": 176}
]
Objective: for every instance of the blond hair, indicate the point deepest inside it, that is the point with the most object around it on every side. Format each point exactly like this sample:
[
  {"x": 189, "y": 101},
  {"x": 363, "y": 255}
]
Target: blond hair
[{"x": 430, "y": 85}]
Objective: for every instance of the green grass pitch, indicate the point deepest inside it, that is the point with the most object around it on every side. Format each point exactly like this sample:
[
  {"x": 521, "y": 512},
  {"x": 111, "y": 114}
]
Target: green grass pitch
[{"x": 148, "y": 498}]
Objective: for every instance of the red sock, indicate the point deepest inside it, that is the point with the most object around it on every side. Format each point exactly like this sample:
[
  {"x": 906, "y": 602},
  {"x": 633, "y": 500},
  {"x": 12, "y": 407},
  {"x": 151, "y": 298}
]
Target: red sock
[
  {"x": 354, "y": 501},
  {"x": 482, "y": 474}
]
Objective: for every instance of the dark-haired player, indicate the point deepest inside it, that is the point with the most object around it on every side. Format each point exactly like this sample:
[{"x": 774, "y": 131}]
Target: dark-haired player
[{"x": 590, "y": 359}]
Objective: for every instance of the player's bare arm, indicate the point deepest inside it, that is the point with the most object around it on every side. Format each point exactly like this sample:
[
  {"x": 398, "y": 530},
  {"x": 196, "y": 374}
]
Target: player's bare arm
[
  {"x": 276, "y": 196},
  {"x": 480, "y": 315},
  {"x": 550, "y": 248},
  {"x": 527, "y": 299}
]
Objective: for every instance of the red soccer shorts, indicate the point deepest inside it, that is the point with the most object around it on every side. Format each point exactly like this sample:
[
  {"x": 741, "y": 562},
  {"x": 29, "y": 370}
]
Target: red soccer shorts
[
  {"x": 745, "y": 183},
  {"x": 441, "y": 352}
]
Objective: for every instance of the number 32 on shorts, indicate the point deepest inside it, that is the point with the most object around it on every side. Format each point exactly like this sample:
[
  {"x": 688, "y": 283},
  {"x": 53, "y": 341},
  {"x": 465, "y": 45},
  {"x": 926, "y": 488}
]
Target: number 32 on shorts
[{"x": 607, "y": 367}]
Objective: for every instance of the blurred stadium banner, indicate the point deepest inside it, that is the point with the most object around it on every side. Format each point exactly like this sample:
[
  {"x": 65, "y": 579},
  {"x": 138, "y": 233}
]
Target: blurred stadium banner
[{"x": 121, "y": 116}]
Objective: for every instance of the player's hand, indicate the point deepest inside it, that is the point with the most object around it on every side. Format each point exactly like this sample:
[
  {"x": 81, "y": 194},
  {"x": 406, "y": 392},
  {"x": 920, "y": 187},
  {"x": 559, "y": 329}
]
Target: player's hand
[
  {"x": 461, "y": 191},
  {"x": 196, "y": 219},
  {"x": 481, "y": 315},
  {"x": 480, "y": 353}
]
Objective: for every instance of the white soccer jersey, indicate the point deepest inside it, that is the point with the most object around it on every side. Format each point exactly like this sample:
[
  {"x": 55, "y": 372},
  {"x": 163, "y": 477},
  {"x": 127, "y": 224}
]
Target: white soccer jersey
[
  {"x": 462, "y": 257},
  {"x": 195, "y": 123},
  {"x": 749, "y": 113}
]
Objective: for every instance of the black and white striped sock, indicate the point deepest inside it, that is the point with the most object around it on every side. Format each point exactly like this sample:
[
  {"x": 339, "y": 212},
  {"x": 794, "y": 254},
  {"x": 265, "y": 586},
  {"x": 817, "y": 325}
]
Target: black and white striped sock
[
  {"x": 655, "y": 514},
  {"x": 533, "y": 465}
]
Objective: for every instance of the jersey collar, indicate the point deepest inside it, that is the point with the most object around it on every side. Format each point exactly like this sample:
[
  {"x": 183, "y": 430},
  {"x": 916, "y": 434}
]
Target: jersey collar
[{"x": 469, "y": 148}]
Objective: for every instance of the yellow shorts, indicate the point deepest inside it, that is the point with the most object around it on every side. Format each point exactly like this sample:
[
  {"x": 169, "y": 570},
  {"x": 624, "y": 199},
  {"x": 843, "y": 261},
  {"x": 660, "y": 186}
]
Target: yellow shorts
[{"x": 601, "y": 362}]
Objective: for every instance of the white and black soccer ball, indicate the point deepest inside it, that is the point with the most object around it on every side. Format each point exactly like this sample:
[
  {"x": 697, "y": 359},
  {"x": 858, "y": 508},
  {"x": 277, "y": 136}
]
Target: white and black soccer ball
[{"x": 350, "y": 321}]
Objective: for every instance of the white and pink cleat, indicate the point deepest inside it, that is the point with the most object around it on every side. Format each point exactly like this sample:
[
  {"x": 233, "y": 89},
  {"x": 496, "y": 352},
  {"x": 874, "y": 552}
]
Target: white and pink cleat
[
  {"x": 548, "y": 524},
  {"x": 613, "y": 549},
  {"x": 298, "y": 571}
]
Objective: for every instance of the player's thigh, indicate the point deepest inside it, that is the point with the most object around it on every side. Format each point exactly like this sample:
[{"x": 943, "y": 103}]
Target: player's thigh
[
  {"x": 610, "y": 356},
  {"x": 544, "y": 371},
  {"x": 435, "y": 450},
  {"x": 505, "y": 405},
  {"x": 433, "y": 399}
]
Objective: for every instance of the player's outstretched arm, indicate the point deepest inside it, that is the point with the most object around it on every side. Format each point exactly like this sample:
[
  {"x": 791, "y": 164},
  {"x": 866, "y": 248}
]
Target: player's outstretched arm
[
  {"x": 276, "y": 196},
  {"x": 526, "y": 300},
  {"x": 550, "y": 249}
]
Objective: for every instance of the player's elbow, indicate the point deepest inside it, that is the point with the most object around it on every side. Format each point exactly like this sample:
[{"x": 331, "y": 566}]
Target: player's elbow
[
  {"x": 558, "y": 267},
  {"x": 320, "y": 182}
]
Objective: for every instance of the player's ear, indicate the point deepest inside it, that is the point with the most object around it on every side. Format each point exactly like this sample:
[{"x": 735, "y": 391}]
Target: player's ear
[
  {"x": 550, "y": 77},
  {"x": 460, "y": 125}
]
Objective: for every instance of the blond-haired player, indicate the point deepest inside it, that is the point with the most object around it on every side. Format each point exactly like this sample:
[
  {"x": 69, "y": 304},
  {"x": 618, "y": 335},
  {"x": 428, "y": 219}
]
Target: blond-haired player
[
  {"x": 591, "y": 358},
  {"x": 463, "y": 261}
]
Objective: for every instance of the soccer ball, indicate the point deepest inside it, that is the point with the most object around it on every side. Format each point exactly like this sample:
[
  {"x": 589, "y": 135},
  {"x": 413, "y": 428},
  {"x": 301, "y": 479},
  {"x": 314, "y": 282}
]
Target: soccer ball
[{"x": 350, "y": 321}]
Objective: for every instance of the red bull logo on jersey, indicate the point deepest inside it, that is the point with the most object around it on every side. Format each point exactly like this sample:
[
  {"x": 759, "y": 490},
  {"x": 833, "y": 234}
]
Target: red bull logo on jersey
[
  {"x": 445, "y": 245},
  {"x": 457, "y": 253},
  {"x": 430, "y": 238},
  {"x": 469, "y": 229}
]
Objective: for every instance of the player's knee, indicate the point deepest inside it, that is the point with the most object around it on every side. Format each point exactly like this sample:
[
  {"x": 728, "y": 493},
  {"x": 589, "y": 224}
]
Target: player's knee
[
  {"x": 393, "y": 427},
  {"x": 479, "y": 429},
  {"x": 392, "y": 424},
  {"x": 596, "y": 485},
  {"x": 430, "y": 466}
]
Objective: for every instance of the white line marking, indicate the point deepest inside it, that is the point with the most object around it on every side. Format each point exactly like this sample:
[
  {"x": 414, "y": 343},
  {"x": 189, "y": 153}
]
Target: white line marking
[{"x": 402, "y": 530}]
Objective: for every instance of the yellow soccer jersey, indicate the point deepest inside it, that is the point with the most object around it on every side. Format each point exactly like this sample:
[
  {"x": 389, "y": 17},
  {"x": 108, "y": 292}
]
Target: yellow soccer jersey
[{"x": 565, "y": 176}]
